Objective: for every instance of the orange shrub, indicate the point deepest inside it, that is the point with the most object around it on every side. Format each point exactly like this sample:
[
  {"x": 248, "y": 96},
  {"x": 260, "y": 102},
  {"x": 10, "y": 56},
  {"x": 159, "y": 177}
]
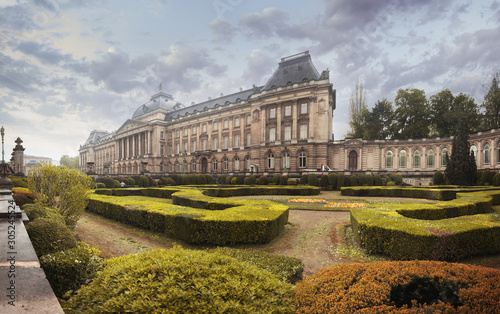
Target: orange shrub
[
  {"x": 402, "y": 287},
  {"x": 21, "y": 196}
]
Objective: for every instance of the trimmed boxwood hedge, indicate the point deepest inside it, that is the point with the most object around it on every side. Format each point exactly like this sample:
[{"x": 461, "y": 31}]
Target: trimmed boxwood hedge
[
  {"x": 451, "y": 230},
  {"x": 50, "y": 236},
  {"x": 400, "y": 287},
  {"x": 182, "y": 281}
]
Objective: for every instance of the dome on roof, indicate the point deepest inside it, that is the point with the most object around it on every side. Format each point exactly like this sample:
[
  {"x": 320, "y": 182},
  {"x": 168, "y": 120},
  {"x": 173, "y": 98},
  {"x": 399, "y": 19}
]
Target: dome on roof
[{"x": 160, "y": 100}]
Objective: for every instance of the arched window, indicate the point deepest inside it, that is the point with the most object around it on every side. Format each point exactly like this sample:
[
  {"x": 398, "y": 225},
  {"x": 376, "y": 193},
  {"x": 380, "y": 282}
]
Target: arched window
[
  {"x": 225, "y": 163},
  {"x": 430, "y": 158},
  {"x": 487, "y": 156},
  {"x": 215, "y": 165},
  {"x": 402, "y": 159},
  {"x": 161, "y": 166},
  {"x": 473, "y": 149},
  {"x": 388, "y": 159},
  {"x": 416, "y": 159},
  {"x": 177, "y": 167},
  {"x": 286, "y": 160},
  {"x": 444, "y": 157},
  {"x": 247, "y": 162},
  {"x": 302, "y": 160},
  {"x": 270, "y": 161},
  {"x": 353, "y": 160},
  {"x": 169, "y": 167},
  {"x": 236, "y": 163}
]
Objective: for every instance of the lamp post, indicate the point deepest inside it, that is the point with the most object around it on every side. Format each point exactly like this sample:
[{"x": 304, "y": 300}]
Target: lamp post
[{"x": 2, "y": 131}]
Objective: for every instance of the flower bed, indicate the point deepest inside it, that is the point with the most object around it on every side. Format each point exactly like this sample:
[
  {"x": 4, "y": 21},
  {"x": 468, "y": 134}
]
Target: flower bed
[
  {"x": 346, "y": 205},
  {"x": 409, "y": 287}
]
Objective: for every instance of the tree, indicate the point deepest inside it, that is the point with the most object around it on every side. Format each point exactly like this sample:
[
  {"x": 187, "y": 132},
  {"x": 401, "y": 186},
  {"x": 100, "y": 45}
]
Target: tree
[
  {"x": 70, "y": 162},
  {"x": 461, "y": 168},
  {"x": 357, "y": 111},
  {"x": 378, "y": 121},
  {"x": 411, "y": 116},
  {"x": 491, "y": 103},
  {"x": 62, "y": 188}
]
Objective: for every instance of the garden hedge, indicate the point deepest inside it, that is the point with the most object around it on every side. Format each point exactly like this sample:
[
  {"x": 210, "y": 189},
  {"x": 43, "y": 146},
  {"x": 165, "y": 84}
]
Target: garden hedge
[
  {"x": 182, "y": 281},
  {"x": 229, "y": 221},
  {"x": 400, "y": 287},
  {"x": 452, "y": 230}
]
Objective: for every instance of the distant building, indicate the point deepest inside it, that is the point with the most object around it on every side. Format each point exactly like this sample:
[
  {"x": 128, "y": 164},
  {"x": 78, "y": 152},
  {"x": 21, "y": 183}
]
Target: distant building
[{"x": 31, "y": 161}]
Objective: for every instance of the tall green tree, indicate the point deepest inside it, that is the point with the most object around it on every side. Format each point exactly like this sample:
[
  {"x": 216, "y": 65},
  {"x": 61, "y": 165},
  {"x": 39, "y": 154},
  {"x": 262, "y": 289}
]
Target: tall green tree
[
  {"x": 70, "y": 162},
  {"x": 378, "y": 121},
  {"x": 491, "y": 103},
  {"x": 461, "y": 167},
  {"x": 357, "y": 111},
  {"x": 411, "y": 114}
]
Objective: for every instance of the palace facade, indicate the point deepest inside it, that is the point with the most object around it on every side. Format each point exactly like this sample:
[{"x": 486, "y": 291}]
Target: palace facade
[{"x": 283, "y": 126}]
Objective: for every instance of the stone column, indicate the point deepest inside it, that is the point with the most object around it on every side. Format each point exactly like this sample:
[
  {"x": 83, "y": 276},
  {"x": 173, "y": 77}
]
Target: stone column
[{"x": 295, "y": 110}]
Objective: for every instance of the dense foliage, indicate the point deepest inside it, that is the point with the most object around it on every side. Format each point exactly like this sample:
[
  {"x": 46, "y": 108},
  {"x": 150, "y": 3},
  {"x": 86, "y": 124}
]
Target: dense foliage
[
  {"x": 182, "y": 281},
  {"x": 22, "y": 196},
  {"x": 461, "y": 167},
  {"x": 50, "y": 236},
  {"x": 409, "y": 287}
]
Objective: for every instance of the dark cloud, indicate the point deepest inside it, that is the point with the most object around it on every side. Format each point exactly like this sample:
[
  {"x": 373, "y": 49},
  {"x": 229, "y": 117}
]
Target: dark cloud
[
  {"x": 44, "y": 53},
  {"x": 19, "y": 75}
]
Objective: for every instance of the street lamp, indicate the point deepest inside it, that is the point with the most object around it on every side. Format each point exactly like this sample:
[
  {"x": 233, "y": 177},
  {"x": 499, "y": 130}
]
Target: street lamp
[{"x": 2, "y": 131}]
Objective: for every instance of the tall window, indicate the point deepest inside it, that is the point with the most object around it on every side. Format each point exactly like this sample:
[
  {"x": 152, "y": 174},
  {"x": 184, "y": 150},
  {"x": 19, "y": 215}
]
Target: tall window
[
  {"x": 272, "y": 113},
  {"x": 302, "y": 160},
  {"x": 216, "y": 143},
  {"x": 402, "y": 159},
  {"x": 177, "y": 148},
  {"x": 430, "y": 158},
  {"x": 272, "y": 135},
  {"x": 193, "y": 131},
  {"x": 247, "y": 162},
  {"x": 416, "y": 159},
  {"x": 185, "y": 131},
  {"x": 237, "y": 121},
  {"x": 249, "y": 119},
  {"x": 161, "y": 166},
  {"x": 194, "y": 146},
  {"x": 444, "y": 156},
  {"x": 193, "y": 166},
  {"x": 226, "y": 123},
  {"x": 216, "y": 125},
  {"x": 185, "y": 146},
  {"x": 236, "y": 140},
  {"x": 303, "y": 108},
  {"x": 204, "y": 128},
  {"x": 161, "y": 150},
  {"x": 161, "y": 135},
  {"x": 286, "y": 160},
  {"x": 270, "y": 161},
  {"x": 288, "y": 111},
  {"x": 225, "y": 164},
  {"x": 487, "y": 156},
  {"x": 303, "y": 131},
  {"x": 225, "y": 142},
  {"x": 249, "y": 140},
  {"x": 176, "y": 133},
  {"x": 215, "y": 165},
  {"x": 204, "y": 144},
  {"x": 498, "y": 153},
  {"x": 288, "y": 133},
  {"x": 388, "y": 159},
  {"x": 177, "y": 167},
  {"x": 236, "y": 163}
]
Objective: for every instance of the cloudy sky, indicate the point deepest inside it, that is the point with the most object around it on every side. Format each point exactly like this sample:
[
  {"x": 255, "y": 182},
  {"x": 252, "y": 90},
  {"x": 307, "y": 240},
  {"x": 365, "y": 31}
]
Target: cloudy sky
[{"x": 68, "y": 67}]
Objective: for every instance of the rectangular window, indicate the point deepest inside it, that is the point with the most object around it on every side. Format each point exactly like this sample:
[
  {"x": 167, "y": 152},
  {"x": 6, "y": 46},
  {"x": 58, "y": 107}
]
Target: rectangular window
[
  {"x": 272, "y": 113},
  {"x": 225, "y": 141},
  {"x": 226, "y": 123},
  {"x": 249, "y": 119},
  {"x": 204, "y": 128},
  {"x": 303, "y": 108},
  {"x": 216, "y": 125},
  {"x": 176, "y": 133},
  {"x": 216, "y": 143},
  {"x": 161, "y": 135},
  {"x": 272, "y": 135},
  {"x": 237, "y": 121},
  {"x": 237, "y": 141},
  {"x": 204, "y": 144},
  {"x": 170, "y": 135},
  {"x": 170, "y": 150},
  {"x": 288, "y": 133},
  {"x": 303, "y": 131},
  {"x": 177, "y": 148},
  {"x": 185, "y": 146},
  {"x": 288, "y": 111},
  {"x": 249, "y": 140},
  {"x": 194, "y": 130},
  {"x": 194, "y": 146},
  {"x": 161, "y": 150},
  {"x": 185, "y": 131}
]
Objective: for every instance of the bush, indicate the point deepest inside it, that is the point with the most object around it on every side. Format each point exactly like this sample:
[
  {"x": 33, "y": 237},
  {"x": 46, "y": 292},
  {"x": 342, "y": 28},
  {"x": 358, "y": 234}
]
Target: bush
[
  {"x": 496, "y": 179},
  {"x": 228, "y": 179},
  {"x": 369, "y": 179},
  {"x": 201, "y": 179},
  {"x": 485, "y": 174},
  {"x": 409, "y": 287},
  {"x": 312, "y": 179},
  {"x": 377, "y": 180},
  {"x": 22, "y": 196},
  {"x": 398, "y": 179},
  {"x": 183, "y": 281},
  {"x": 292, "y": 182},
  {"x": 101, "y": 185},
  {"x": 35, "y": 211},
  {"x": 303, "y": 179},
  {"x": 360, "y": 180},
  {"x": 251, "y": 180},
  {"x": 276, "y": 179},
  {"x": 210, "y": 179},
  {"x": 283, "y": 180},
  {"x": 117, "y": 184},
  {"x": 125, "y": 180},
  {"x": 152, "y": 182},
  {"x": 353, "y": 180},
  {"x": 240, "y": 179},
  {"x": 340, "y": 181},
  {"x": 109, "y": 182},
  {"x": 438, "y": 178},
  {"x": 50, "y": 236},
  {"x": 234, "y": 180},
  {"x": 332, "y": 180},
  {"x": 323, "y": 181},
  {"x": 70, "y": 269},
  {"x": 19, "y": 182},
  {"x": 262, "y": 180},
  {"x": 131, "y": 181}
]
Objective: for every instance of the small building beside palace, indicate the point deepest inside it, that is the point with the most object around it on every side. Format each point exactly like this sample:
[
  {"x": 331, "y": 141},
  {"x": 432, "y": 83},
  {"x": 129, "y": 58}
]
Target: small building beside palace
[{"x": 284, "y": 126}]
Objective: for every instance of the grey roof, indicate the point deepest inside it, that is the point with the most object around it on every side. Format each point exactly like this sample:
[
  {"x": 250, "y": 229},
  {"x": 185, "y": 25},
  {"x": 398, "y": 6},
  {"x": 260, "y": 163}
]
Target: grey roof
[
  {"x": 213, "y": 103},
  {"x": 293, "y": 69},
  {"x": 159, "y": 100},
  {"x": 97, "y": 135}
]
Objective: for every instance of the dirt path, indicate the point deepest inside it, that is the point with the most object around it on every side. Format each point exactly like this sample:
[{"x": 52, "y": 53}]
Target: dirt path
[{"x": 309, "y": 236}]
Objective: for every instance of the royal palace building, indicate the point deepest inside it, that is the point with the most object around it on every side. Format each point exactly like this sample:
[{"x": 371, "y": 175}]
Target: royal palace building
[{"x": 283, "y": 126}]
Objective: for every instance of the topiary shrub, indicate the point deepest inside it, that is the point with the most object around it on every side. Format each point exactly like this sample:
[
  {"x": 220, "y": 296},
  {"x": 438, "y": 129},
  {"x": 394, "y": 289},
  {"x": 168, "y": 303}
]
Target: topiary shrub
[
  {"x": 228, "y": 179},
  {"x": 340, "y": 181},
  {"x": 398, "y": 179},
  {"x": 332, "y": 180},
  {"x": 438, "y": 178},
  {"x": 303, "y": 179},
  {"x": 222, "y": 179},
  {"x": 70, "y": 269},
  {"x": 262, "y": 180},
  {"x": 35, "y": 211},
  {"x": 201, "y": 179},
  {"x": 252, "y": 180},
  {"x": 101, "y": 185},
  {"x": 323, "y": 181},
  {"x": 240, "y": 179},
  {"x": 210, "y": 179},
  {"x": 152, "y": 182},
  {"x": 234, "y": 180},
  {"x": 276, "y": 179},
  {"x": 109, "y": 182},
  {"x": 117, "y": 184},
  {"x": 22, "y": 196},
  {"x": 182, "y": 281},
  {"x": 391, "y": 287},
  {"x": 361, "y": 179},
  {"x": 145, "y": 181},
  {"x": 377, "y": 180},
  {"x": 496, "y": 179},
  {"x": 369, "y": 179},
  {"x": 283, "y": 180},
  {"x": 353, "y": 180},
  {"x": 50, "y": 236},
  {"x": 485, "y": 174},
  {"x": 292, "y": 182},
  {"x": 131, "y": 181},
  {"x": 312, "y": 179}
]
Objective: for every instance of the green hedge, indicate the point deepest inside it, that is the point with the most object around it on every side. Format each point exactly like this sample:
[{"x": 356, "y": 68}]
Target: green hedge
[
  {"x": 182, "y": 281},
  {"x": 50, "y": 236},
  {"x": 449, "y": 231}
]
